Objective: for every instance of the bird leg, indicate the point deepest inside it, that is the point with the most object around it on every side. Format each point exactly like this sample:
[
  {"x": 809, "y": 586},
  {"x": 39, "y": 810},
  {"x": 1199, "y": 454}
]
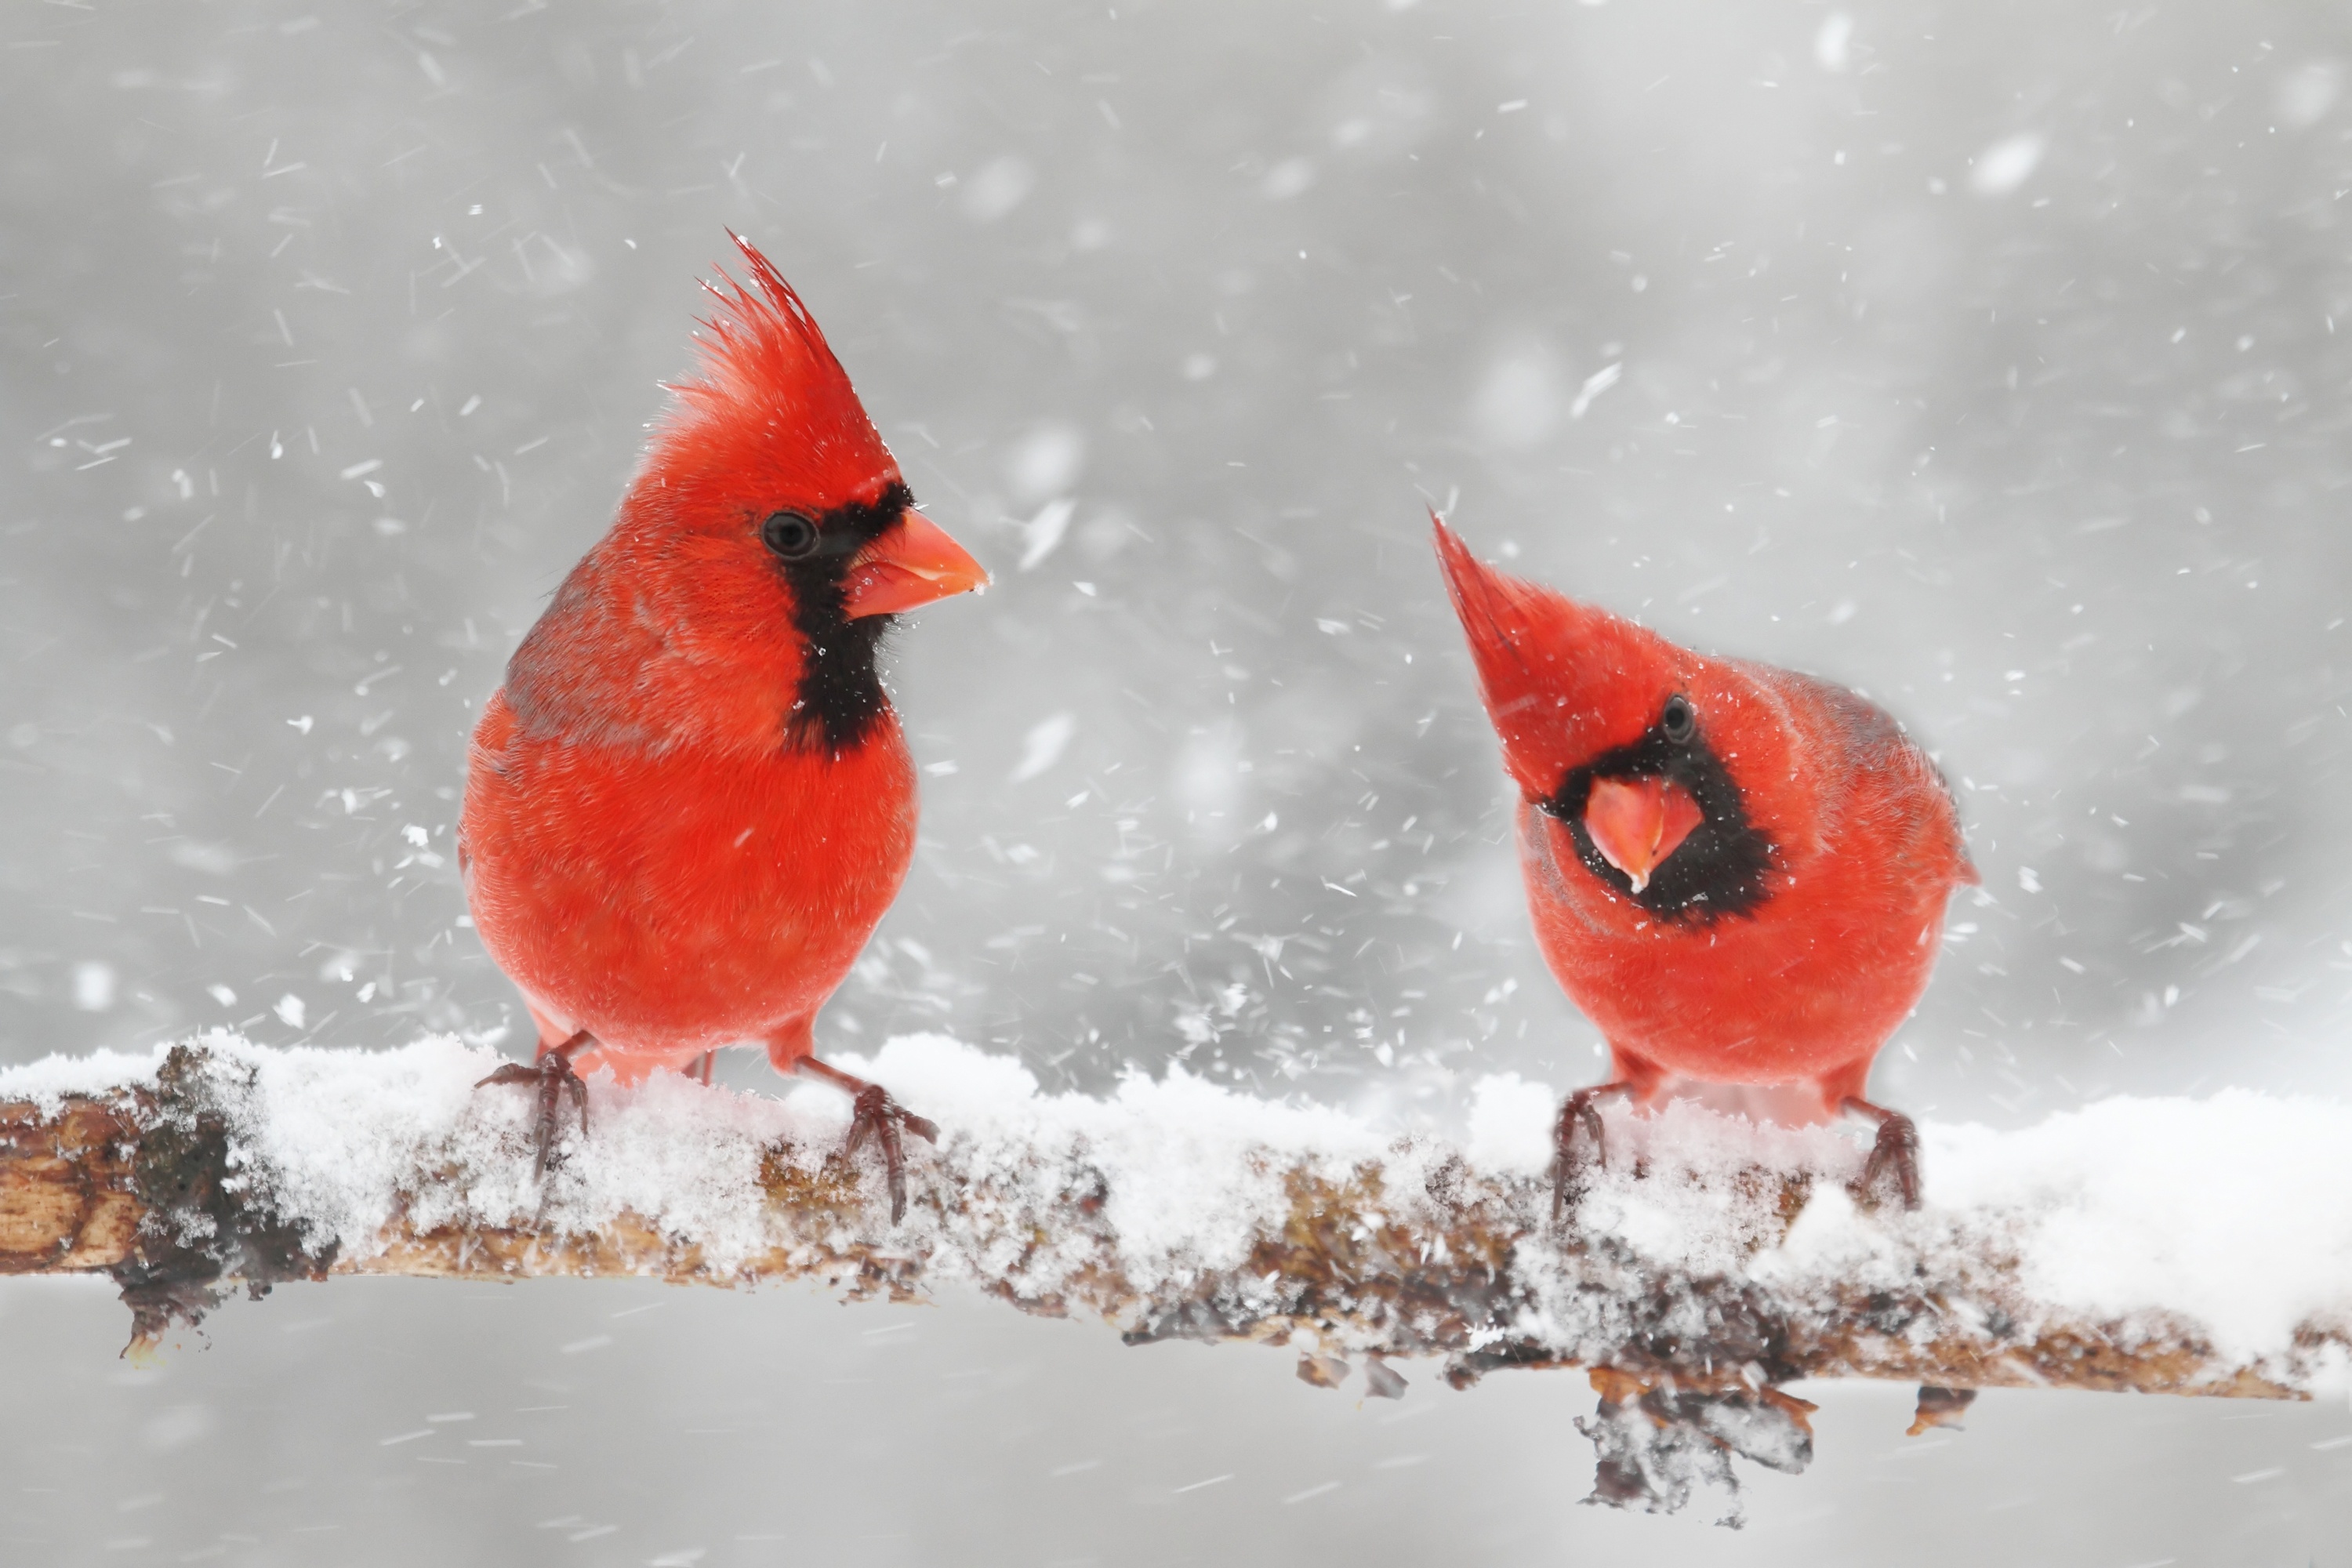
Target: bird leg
[
  {"x": 1896, "y": 1149},
  {"x": 700, "y": 1068},
  {"x": 553, "y": 1077},
  {"x": 1579, "y": 1114},
  {"x": 876, "y": 1116}
]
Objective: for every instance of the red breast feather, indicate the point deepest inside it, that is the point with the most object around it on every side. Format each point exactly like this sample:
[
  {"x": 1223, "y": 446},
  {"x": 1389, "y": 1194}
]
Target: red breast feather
[{"x": 1790, "y": 932}]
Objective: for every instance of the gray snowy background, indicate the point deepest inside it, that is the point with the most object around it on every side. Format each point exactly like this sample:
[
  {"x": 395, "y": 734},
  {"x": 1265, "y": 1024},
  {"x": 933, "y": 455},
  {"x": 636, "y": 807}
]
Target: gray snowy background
[{"x": 1986, "y": 357}]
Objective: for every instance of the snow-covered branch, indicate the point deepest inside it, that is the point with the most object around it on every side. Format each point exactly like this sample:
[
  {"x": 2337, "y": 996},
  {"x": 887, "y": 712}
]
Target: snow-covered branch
[{"x": 2156, "y": 1245}]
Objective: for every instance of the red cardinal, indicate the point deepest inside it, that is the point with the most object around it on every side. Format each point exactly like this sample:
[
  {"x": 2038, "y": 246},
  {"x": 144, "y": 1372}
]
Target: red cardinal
[
  {"x": 690, "y": 803},
  {"x": 1738, "y": 872}
]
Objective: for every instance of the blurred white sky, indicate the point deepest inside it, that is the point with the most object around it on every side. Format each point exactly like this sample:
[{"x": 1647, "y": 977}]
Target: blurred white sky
[{"x": 1980, "y": 358}]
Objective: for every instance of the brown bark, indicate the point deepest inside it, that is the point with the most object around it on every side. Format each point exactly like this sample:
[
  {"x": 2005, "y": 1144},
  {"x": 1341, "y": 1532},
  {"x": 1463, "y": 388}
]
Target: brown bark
[
  {"x": 65, "y": 1198},
  {"x": 142, "y": 1185},
  {"x": 71, "y": 1200}
]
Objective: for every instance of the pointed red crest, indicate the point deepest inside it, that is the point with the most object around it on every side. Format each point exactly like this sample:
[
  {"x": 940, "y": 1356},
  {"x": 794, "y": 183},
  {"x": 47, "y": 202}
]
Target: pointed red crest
[
  {"x": 771, "y": 405},
  {"x": 1563, "y": 682}
]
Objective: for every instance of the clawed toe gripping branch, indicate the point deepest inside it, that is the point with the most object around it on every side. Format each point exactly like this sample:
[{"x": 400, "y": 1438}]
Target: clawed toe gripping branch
[
  {"x": 555, "y": 1080},
  {"x": 876, "y": 1115},
  {"x": 1894, "y": 1152},
  {"x": 1578, "y": 1146}
]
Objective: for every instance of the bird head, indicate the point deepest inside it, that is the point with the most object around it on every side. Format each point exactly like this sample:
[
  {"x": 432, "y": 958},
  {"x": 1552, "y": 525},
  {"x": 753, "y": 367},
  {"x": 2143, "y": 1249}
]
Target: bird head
[
  {"x": 768, "y": 537},
  {"x": 1628, "y": 740}
]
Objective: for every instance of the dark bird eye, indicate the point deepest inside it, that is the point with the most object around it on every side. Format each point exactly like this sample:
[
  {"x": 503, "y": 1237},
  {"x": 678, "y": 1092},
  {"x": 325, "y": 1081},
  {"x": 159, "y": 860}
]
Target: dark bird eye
[
  {"x": 1680, "y": 719},
  {"x": 790, "y": 535}
]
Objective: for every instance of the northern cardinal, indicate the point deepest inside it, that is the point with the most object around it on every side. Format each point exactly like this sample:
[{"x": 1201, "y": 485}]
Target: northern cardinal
[
  {"x": 1738, "y": 872},
  {"x": 691, "y": 803}
]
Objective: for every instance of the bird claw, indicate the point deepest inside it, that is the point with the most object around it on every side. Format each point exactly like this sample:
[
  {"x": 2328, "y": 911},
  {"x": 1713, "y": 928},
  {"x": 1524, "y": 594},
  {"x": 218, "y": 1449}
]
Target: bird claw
[
  {"x": 1895, "y": 1151},
  {"x": 1578, "y": 1114},
  {"x": 553, "y": 1076},
  {"x": 880, "y": 1118}
]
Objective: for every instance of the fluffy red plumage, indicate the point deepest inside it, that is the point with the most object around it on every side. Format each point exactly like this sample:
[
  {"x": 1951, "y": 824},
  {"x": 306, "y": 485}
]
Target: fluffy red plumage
[
  {"x": 1738, "y": 872},
  {"x": 691, "y": 803}
]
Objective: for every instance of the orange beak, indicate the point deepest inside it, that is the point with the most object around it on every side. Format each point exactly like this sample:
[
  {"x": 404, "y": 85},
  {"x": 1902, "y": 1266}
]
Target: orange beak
[
  {"x": 910, "y": 564},
  {"x": 1637, "y": 822}
]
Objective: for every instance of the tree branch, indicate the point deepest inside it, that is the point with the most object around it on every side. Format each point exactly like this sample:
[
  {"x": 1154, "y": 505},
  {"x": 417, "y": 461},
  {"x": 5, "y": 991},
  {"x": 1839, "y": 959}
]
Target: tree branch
[{"x": 1703, "y": 1271}]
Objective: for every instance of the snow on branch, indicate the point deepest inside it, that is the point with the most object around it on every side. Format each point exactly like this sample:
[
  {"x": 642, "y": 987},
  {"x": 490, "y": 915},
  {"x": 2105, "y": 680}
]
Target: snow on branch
[{"x": 2155, "y": 1246}]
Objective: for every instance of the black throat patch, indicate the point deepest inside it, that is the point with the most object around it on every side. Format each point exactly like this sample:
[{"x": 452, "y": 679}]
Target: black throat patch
[
  {"x": 840, "y": 697},
  {"x": 1722, "y": 868}
]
